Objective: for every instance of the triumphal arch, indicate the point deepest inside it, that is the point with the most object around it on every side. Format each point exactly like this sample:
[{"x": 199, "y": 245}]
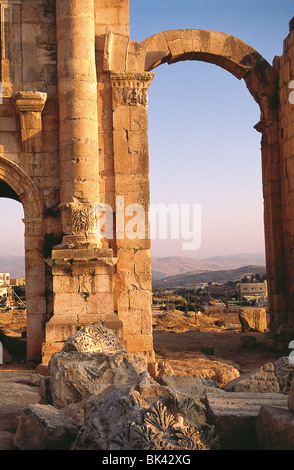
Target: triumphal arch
[{"x": 74, "y": 140}]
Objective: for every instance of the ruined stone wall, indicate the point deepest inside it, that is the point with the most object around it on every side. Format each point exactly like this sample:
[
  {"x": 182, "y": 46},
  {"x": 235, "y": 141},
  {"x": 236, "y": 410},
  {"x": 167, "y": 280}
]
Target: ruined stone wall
[
  {"x": 286, "y": 129},
  {"x": 74, "y": 136},
  {"x": 28, "y": 63}
]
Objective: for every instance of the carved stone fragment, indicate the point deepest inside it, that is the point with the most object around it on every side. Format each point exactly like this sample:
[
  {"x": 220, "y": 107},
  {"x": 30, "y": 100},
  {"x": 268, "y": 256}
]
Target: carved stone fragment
[
  {"x": 94, "y": 338},
  {"x": 144, "y": 416},
  {"x": 77, "y": 376}
]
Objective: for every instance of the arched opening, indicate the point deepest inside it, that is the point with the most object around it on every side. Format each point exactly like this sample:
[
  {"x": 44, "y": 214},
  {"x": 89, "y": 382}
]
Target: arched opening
[
  {"x": 242, "y": 62},
  {"x": 13, "y": 315},
  {"x": 24, "y": 201},
  {"x": 208, "y": 154}
]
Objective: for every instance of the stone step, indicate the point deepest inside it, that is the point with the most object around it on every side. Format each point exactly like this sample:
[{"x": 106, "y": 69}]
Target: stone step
[
  {"x": 234, "y": 416},
  {"x": 275, "y": 428}
]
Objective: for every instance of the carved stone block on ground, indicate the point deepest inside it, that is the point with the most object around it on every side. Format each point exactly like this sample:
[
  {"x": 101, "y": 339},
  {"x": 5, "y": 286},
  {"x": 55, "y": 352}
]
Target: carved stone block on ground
[
  {"x": 234, "y": 416},
  {"x": 284, "y": 371},
  {"x": 275, "y": 428},
  {"x": 16, "y": 391},
  {"x": 262, "y": 380},
  {"x": 194, "y": 386},
  {"x": 253, "y": 319},
  {"x": 76, "y": 376},
  {"x": 144, "y": 416},
  {"x": 43, "y": 427},
  {"x": 91, "y": 360},
  {"x": 94, "y": 338}
]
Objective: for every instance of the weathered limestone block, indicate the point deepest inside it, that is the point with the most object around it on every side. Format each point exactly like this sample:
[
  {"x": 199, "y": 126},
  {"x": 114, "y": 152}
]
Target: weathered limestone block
[
  {"x": 43, "y": 427},
  {"x": 275, "y": 428},
  {"x": 76, "y": 376},
  {"x": 83, "y": 287},
  {"x": 154, "y": 417},
  {"x": 262, "y": 380},
  {"x": 284, "y": 371},
  {"x": 221, "y": 372},
  {"x": 17, "y": 389},
  {"x": 234, "y": 416},
  {"x": 115, "y": 14},
  {"x": 194, "y": 386},
  {"x": 94, "y": 338},
  {"x": 253, "y": 319}
]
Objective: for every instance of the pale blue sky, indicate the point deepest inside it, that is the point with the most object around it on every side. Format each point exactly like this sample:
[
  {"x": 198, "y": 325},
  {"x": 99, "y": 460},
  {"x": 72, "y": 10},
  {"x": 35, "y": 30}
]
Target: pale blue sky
[{"x": 203, "y": 148}]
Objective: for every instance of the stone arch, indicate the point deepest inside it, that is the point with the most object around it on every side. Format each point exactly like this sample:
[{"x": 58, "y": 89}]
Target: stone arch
[
  {"x": 217, "y": 48},
  {"x": 262, "y": 81},
  {"x": 22, "y": 185},
  {"x": 31, "y": 199}
]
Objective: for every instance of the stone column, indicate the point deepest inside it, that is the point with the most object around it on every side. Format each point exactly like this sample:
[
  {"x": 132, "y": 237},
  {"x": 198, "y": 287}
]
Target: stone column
[
  {"x": 35, "y": 286},
  {"x": 82, "y": 270},
  {"x": 78, "y": 130},
  {"x": 133, "y": 294},
  {"x": 273, "y": 218}
]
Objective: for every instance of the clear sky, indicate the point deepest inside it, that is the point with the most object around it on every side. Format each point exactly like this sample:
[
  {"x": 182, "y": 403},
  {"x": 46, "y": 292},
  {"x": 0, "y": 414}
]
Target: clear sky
[
  {"x": 203, "y": 148},
  {"x": 12, "y": 228}
]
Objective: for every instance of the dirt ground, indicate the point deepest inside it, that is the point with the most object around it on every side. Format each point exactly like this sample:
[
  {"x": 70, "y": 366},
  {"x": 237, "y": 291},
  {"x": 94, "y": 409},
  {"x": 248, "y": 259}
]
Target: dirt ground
[
  {"x": 198, "y": 346},
  {"x": 13, "y": 322},
  {"x": 189, "y": 345}
]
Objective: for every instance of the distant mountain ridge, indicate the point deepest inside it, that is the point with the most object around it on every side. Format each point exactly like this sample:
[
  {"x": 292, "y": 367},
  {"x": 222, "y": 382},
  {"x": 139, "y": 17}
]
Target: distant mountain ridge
[
  {"x": 14, "y": 265},
  {"x": 171, "y": 266},
  {"x": 186, "y": 280},
  {"x": 161, "y": 267}
]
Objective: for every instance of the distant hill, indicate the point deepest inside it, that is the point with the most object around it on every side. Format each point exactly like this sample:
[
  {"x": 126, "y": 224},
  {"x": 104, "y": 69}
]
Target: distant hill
[
  {"x": 186, "y": 280},
  {"x": 171, "y": 266},
  {"x": 162, "y": 267},
  {"x": 14, "y": 265}
]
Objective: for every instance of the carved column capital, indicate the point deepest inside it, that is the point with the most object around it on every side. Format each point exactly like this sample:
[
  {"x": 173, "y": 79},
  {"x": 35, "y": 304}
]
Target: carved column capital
[
  {"x": 30, "y": 105},
  {"x": 78, "y": 221},
  {"x": 130, "y": 89}
]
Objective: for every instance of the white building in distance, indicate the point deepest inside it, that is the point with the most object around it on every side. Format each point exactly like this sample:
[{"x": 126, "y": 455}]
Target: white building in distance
[{"x": 4, "y": 284}]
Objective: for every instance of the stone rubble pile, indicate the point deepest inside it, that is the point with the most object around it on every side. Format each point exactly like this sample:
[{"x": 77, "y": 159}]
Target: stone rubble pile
[{"x": 100, "y": 397}]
